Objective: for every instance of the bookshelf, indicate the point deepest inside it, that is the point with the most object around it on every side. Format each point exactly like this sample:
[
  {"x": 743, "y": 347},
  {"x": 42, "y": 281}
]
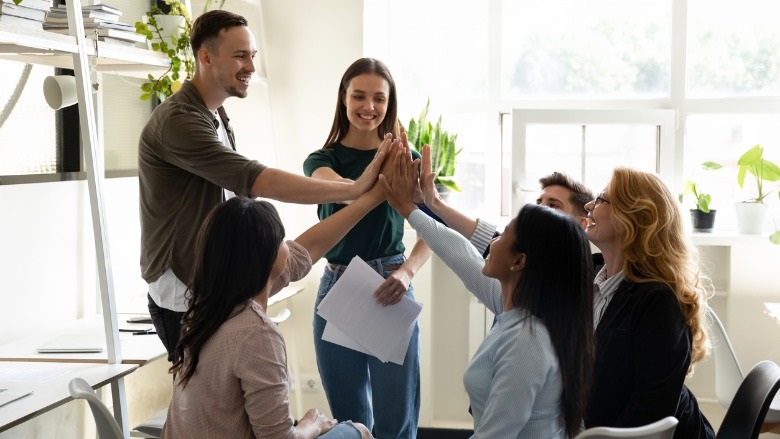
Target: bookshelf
[{"x": 74, "y": 51}]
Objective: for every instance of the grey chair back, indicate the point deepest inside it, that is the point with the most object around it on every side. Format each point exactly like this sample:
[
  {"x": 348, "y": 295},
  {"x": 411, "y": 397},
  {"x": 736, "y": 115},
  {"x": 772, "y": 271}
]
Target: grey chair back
[
  {"x": 107, "y": 427},
  {"x": 661, "y": 429}
]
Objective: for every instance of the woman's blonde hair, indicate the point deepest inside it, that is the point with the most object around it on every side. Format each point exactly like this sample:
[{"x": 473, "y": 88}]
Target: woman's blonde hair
[{"x": 655, "y": 247}]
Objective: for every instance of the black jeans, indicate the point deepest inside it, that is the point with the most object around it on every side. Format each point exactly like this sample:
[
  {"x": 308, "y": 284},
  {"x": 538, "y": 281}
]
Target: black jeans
[{"x": 167, "y": 323}]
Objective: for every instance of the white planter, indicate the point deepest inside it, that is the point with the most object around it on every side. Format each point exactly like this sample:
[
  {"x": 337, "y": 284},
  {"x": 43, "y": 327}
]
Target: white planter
[
  {"x": 169, "y": 25},
  {"x": 751, "y": 217}
]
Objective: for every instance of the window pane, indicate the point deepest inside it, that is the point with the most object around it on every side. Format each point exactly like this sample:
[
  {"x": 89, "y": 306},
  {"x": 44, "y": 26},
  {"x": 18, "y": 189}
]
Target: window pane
[
  {"x": 733, "y": 48},
  {"x": 587, "y": 153},
  {"x": 27, "y": 128},
  {"x": 474, "y": 163},
  {"x": 438, "y": 47},
  {"x": 604, "y": 48}
]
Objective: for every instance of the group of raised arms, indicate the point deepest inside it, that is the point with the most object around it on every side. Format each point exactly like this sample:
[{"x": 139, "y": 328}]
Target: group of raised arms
[{"x": 579, "y": 339}]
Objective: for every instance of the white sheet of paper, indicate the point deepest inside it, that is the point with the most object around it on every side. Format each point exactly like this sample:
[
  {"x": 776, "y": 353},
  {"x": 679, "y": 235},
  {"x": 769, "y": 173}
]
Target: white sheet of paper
[
  {"x": 334, "y": 335},
  {"x": 351, "y": 307}
]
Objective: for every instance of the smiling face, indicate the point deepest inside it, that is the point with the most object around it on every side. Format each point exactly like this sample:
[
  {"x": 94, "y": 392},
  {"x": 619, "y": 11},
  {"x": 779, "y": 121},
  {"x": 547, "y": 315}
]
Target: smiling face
[
  {"x": 366, "y": 102},
  {"x": 504, "y": 262},
  {"x": 232, "y": 60},
  {"x": 602, "y": 226}
]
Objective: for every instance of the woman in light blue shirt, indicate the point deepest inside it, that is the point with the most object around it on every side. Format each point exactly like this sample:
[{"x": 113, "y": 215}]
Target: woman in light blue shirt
[{"x": 530, "y": 376}]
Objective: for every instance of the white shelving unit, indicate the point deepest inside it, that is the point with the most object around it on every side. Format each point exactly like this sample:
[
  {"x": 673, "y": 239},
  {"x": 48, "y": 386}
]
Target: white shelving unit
[{"x": 75, "y": 52}]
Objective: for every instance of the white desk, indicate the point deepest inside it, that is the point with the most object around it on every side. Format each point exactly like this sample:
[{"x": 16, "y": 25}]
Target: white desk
[
  {"x": 136, "y": 349},
  {"x": 286, "y": 295},
  {"x": 49, "y": 383}
]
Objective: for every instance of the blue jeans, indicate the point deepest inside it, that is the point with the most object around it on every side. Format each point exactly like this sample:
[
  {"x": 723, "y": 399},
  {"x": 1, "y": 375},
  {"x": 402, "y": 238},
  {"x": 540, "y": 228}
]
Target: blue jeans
[
  {"x": 355, "y": 382},
  {"x": 343, "y": 430}
]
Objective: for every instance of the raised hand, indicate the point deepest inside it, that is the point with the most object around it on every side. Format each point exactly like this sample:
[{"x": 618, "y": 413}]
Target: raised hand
[
  {"x": 418, "y": 193},
  {"x": 399, "y": 187},
  {"x": 369, "y": 175},
  {"x": 427, "y": 178}
]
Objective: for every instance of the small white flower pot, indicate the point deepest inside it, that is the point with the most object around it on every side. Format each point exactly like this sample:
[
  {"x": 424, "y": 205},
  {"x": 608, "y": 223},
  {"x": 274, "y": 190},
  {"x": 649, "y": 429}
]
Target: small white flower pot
[{"x": 751, "y": 217}]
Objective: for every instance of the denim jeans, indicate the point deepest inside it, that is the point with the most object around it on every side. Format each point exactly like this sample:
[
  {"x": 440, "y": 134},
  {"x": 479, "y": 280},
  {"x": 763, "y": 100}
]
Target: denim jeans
[
  {"x": 355, "y": 382},
  {"x": 343, "y": 430},
  {"x": 167, "y": 324}
]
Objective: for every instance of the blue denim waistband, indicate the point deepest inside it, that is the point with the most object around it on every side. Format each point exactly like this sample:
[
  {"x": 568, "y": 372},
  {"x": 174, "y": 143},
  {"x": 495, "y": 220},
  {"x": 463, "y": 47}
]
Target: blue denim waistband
[{"x": 388, "y": 263}]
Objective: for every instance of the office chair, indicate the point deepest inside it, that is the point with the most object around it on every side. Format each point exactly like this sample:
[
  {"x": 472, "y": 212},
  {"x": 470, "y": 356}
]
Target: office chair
[
  {"x": 728, "y": 374},
  {"x": 745, "y": 415},
  {"x": 662, "y": 429},
  {"x": 152, "y": 427},
  {"x": 107, "y": 427}
]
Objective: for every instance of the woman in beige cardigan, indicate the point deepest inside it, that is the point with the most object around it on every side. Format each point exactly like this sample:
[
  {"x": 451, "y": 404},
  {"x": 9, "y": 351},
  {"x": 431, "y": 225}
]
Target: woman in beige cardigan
[{"x": 230, "y": 363}]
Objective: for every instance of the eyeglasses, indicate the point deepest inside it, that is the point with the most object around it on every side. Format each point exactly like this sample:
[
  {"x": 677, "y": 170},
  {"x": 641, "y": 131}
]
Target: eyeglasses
[{"x": 600, "y": 199}]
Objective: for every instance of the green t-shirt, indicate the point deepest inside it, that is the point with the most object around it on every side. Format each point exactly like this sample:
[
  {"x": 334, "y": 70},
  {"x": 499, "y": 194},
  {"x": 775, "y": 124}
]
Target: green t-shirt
[{"x": 380, "y": 233}]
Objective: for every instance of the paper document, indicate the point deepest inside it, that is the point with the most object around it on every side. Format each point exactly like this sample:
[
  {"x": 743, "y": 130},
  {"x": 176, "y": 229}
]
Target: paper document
[{"x": 356, "y": 321}]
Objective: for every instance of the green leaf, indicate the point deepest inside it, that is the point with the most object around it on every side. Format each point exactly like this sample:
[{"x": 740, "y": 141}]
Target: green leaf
[
  {"x": 711, "y": 166},
  {"x": 775, "y": 237},
  {"x": 449, "y": 183},
  {"x": 751, "y": 156},
  {"x": 704, "y": 203},
  {"x": 741, "y": 176},
  {"x": 689, "y": 188},
  {"x": 770, "y": 171}
]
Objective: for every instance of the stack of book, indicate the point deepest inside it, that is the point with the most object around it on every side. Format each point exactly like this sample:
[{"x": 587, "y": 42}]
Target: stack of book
[
  {"x": 101, "y": 22},
  {"x": 29, "y": 14}
]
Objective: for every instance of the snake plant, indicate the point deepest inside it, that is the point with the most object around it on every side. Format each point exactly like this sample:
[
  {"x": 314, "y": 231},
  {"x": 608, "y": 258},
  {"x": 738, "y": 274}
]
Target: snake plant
[{"x": 443, "y": 148}]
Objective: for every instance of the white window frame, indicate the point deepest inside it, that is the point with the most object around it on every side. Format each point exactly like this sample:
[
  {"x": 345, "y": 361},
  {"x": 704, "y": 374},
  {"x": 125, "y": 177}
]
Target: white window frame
[{"x": 666, "y": 150}]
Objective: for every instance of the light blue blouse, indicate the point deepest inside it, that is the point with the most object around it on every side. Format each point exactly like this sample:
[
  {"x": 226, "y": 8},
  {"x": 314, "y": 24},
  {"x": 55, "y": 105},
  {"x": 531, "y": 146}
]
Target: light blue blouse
[{"x": 513, "y": 382}]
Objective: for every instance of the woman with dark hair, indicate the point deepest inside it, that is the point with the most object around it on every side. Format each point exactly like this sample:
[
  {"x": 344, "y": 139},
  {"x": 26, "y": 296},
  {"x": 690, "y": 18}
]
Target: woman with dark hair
[
  {"x": 649, "y": 308},
  {"x": 359, "y": 386},
  {"x": 230, "y": 363},
  {"x": 530, "y": 376}
]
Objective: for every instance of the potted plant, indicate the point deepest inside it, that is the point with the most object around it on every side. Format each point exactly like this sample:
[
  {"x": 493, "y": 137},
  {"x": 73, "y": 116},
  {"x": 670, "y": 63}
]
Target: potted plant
[
  {"x": 171, "y": 37},
  {"x": 443, "y": 149},
  {"x": 702, "y": 217},
  {"x": 752, "y": 214}
]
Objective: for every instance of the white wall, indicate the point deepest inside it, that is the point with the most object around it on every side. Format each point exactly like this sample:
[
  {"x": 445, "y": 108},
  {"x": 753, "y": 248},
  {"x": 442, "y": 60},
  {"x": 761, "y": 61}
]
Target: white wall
[{"x": 47, "y": 262}]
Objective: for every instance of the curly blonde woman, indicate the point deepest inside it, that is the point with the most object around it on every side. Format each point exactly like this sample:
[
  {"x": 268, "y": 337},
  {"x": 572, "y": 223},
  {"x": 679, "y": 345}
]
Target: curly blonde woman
[{"x": 649, "y": 308}]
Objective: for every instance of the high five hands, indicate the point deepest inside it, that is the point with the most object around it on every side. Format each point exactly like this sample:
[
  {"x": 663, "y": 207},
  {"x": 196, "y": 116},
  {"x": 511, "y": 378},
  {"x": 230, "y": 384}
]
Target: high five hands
[{"x": 399, "y": 182}]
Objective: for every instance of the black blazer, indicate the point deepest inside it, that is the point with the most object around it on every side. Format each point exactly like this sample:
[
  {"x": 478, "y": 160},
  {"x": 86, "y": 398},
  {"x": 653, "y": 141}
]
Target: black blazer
[{"x": 643, "y": 350}]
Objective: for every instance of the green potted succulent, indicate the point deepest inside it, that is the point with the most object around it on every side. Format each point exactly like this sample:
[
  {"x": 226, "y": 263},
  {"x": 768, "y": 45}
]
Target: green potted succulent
[
  {"x": 702, "y": 217},
  {"x": 443, "y": 148},
  {"x": 173, "y": 39},
  {"x": 752, "y": 214}
]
